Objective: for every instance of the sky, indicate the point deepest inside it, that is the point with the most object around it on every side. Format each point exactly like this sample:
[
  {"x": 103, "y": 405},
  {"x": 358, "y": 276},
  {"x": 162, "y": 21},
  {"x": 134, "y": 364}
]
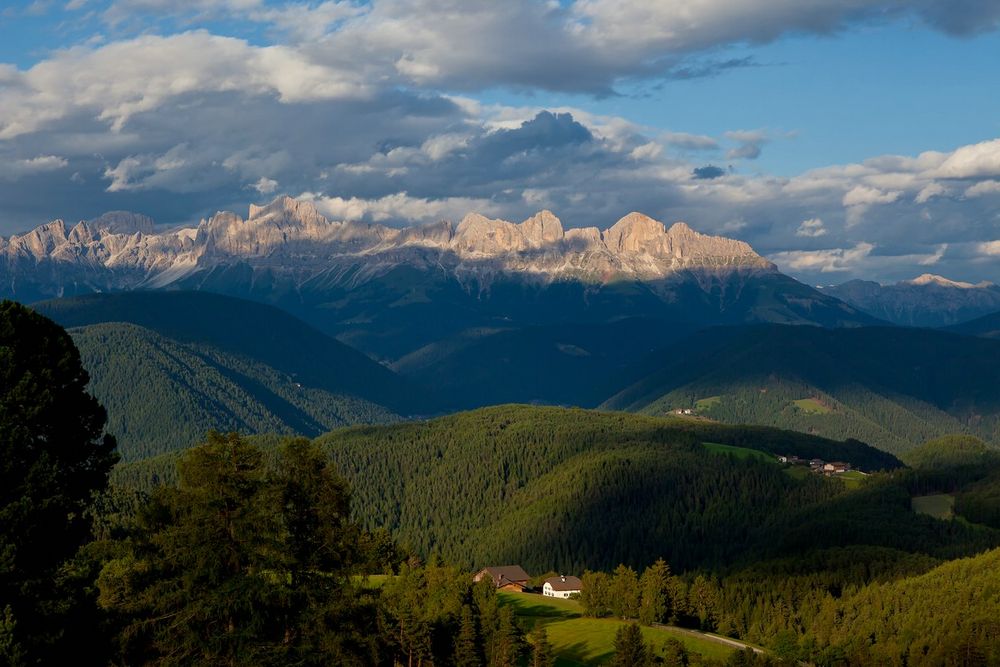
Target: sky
[{"x": 841, "y": 138}]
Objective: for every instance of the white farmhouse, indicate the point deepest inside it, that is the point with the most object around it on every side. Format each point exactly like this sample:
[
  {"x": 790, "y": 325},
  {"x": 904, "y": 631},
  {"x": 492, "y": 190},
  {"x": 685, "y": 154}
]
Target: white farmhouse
[{"x": 561, "y": 586}]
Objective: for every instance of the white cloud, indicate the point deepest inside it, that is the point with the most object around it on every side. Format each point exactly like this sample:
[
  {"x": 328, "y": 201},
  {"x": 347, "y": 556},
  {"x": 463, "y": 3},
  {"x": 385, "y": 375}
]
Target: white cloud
[
  {"x": 980, "y": 160},
  {"x": 990, "y": 248},
  {"x": 930, "y": 191},
  {"x": 15, "y": 169},
  {"x": 647, "y": 151},
  {"x": 122, "y": 79},
  {"x": 265, "y": 185},
  {"x": 983, "y": 188},
  {"x": 935, "y": 257},
  {"x": 811, "y": 228},
  {"x": 398, "y": 207},
  {"x": 862, "y": 195},
  {"x": 823, "y": 261}
]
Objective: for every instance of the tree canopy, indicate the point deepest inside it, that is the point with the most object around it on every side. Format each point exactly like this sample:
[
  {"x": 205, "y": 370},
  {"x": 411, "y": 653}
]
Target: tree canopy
[{"x": 54, "y": 455}]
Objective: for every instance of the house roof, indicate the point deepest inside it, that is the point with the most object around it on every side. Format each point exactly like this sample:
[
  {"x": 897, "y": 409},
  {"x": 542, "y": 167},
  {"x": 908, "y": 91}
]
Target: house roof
[
  {"x": 565, "y": 583},
  {"x": 511, "y": 573}
]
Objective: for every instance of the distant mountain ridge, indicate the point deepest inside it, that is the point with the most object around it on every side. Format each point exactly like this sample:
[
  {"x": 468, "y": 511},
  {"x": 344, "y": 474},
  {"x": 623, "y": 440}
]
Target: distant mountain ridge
[
  {"x": 122, "y": 250},
  {"x": 891, "y": 387},
  {"x": 390, "y": 292},
  {"x": 926, "y": 301}
]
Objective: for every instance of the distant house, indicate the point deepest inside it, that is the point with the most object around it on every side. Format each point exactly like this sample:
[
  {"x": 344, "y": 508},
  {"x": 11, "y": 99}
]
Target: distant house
[
  {"x": 816, "y": 463},
  {"x": 562, "y": 586},
  {"x": 836, "y": 467},
  {"x": 791, "y": 460},
  {"x": 505, "y": 577}
]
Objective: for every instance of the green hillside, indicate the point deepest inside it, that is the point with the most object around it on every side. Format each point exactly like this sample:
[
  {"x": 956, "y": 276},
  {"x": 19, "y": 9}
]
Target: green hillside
[
  {"x": 892, "y": 388},
  {"x": 558, "y": 489},
  {"x": 944, "y": 617},
  {"x": 246, "y": 329},
  {"x": 163, "y": 395}
]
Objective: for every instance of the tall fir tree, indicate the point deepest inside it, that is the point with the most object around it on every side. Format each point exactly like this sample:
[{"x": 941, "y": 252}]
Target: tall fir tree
[
  {"x": 654, "y": 604},
  {"x": 625, "y": 593},
  {"x": 630, "y": 649},
  {"x": 468, "y": 645},
  {"x": 541, "y": 652},
  {"x": 54, "y": 456}
]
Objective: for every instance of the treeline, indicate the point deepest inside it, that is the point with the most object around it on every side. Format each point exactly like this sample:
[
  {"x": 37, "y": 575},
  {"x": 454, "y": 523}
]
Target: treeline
[
  {"x": 560, "y": 489},
  {"x": 838, "y": 607}
]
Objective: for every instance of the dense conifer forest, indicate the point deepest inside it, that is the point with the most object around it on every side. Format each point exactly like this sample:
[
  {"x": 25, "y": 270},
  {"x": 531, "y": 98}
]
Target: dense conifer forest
[{"x": 358, "y": 547}]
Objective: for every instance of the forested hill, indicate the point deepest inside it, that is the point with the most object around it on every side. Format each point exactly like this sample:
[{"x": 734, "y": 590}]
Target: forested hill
[
  {"x": 247, "y": 329},
  {"x": 552, "y": 488},
  {"x": 987, "y": 326},
  {"x": 164, "y": 395},
  {"x": 890, "y": 387}
]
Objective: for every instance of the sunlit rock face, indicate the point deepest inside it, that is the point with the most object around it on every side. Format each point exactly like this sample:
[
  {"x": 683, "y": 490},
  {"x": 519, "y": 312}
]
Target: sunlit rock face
[{"x": 122, "y": 250}]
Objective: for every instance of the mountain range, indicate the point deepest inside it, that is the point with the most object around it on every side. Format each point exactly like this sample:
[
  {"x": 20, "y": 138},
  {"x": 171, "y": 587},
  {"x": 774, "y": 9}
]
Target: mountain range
[
  {"x": 926, "y": 301},
  {"x": 390, "y": 292}
]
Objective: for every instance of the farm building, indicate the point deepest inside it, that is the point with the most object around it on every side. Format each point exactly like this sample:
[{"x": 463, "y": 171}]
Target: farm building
[
  {"x": 834, "y": 467},
  {"x": 505, "y": 577},
  {"x": 561, "y": 586}
]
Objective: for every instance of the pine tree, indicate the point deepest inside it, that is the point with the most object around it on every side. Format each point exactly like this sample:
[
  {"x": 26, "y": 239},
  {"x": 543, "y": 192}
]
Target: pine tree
[
  {"x": 239, "y": 566},
  {"x": 654, "y": 602},
  {"x": 675, "y": 654},
  {"x": 508, "y": 644},
  {"x": 541, "y": 655},
  {"x": 630, "y": 650},
  {"x": 467, "y": 653},
  {"x": 54, "y": 455},
  {"x": 625, "y": 593}
]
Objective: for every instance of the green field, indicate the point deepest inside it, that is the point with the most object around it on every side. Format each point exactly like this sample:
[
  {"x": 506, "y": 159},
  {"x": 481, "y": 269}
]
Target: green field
[
  {"x": 852, "y": 478},
  {"x": 589, "y": 641},
  {"x": 939, "y": 506},
  {"x": 707, "y": 403},
  {"x": 812, "y": 406},
  {"x": 739, "y": 452}
]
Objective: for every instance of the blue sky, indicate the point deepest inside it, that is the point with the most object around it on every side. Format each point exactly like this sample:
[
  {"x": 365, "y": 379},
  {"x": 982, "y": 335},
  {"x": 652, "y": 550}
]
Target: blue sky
[{"x": 853, "y": 138}]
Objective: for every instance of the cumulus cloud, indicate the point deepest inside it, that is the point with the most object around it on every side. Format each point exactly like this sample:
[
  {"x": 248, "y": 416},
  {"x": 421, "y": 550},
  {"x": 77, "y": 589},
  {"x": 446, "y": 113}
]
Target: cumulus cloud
[
  {"x": 15, "y": 169},
  {"x": 399, "y": 207},
  {"x": 811, "y": 228},
  {"x": 990, "y": 248},
  {"x": 265, "y": 185},
  {"x": 347, "y": 106},
  {"x": 824, "y": 261},
  {"x": 930, "y": 191},
  {"x": 983, "y": 188}
]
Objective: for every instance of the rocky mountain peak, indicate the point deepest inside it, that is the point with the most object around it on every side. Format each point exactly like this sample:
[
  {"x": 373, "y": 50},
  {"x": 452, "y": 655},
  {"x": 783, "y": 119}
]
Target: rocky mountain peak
[
  {"x": 941, "y": 281},
  {"x": 543, "y": 228},
  {"x": 286, "y": 210},
  {"x": 478, "y": 234}
]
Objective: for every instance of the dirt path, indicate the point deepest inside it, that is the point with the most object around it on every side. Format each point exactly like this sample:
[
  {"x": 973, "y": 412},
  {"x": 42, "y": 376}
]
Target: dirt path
[{"x": 725, "y": 641}]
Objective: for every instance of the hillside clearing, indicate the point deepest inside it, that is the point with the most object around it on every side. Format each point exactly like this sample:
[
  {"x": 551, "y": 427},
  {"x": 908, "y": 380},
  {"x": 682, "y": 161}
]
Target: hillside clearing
[
  {"x": 707, "y": 403},
  {"x": 812, "y": 406},
  {"x": 739, "y": 452},
  {"x": 588, "y": 641}
]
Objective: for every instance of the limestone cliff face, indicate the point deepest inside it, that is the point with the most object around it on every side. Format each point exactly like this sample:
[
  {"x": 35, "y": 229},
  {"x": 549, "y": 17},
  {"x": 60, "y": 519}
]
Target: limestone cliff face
[{"x": 123, "y": 250}]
